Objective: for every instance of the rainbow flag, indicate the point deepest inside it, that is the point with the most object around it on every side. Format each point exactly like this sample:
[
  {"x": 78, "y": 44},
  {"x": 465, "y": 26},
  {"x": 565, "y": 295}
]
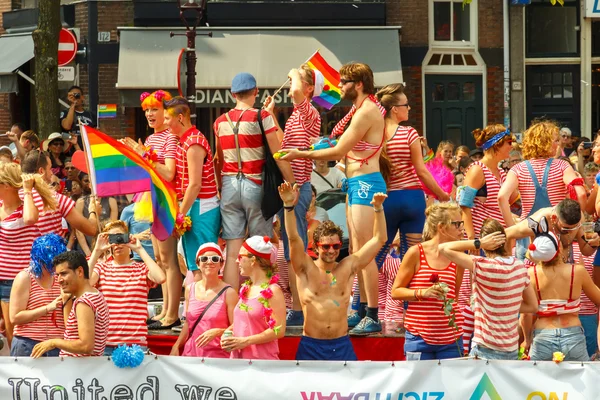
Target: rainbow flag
[
  {"x": 107, "y": 111},
  {"x": 331, "y": 94},
  {"x": 116, "y": 169}
]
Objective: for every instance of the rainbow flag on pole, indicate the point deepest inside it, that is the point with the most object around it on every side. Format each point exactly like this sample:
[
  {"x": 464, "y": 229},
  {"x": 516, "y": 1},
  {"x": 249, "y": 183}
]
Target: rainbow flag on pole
[
  {"x": 331, "y": 94},
  {"x": 116, "y": 169}
]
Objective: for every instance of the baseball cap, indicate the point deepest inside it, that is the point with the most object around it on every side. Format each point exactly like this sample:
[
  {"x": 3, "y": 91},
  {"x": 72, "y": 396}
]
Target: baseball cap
[
  {"x": 476, "y": 151},
  {"x": 242, "y": 82}
]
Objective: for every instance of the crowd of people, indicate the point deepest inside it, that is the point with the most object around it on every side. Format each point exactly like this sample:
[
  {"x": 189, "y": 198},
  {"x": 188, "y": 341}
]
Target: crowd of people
[{"x": 487, "y": 251}]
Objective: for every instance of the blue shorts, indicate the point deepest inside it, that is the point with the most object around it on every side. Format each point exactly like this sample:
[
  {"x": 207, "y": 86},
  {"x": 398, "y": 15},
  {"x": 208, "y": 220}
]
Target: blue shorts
[
  {"x": 361, "y": 188},
  {"x": 490, "y": 354},
  {"x": 569, "y": 341},
  {"x": 339, "y": 349},
  {"x": 5, "y": 287},
  {"x": 22, "y": 347},
  {"x": 590, "y": 330},
  {"x": 415, "y": 348},
  {"x": 304, "y": 199},
  {"x": 205, "y": 228}
]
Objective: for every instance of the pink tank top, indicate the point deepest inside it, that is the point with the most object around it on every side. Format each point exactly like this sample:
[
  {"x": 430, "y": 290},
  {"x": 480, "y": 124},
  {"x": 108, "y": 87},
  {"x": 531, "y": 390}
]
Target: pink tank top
[
  {"x": 215, "y": 317},
  {"x": 251, "y": 323}
]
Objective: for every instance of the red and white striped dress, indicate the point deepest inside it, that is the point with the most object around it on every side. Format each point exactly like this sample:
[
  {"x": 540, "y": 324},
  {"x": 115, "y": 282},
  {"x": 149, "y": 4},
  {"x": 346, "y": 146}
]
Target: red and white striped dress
[
  {"x": 50, "y": 326},
  {"x": 487, "y": 207},
  {"x": 556, "y": 188},
  {"x": 497, "y": 294},
  {"x": 125, "y": 289},
  {"x": 16, "y": 240},
  {"x": 587, "y": 306},
  {"x": 404, "y": 176},
  {"x": 193, "y": 137},
  {"x": 426, "y": 318},
  {"x": 164, "y": 143},
  {"x": 96, "y": 301}
]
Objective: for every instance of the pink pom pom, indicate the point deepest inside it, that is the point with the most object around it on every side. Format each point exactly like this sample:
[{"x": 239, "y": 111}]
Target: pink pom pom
[
  {"x": 442, "y": 175},
  {"x": 159, "y": 95},
  {"x": 143, "y": 96}
]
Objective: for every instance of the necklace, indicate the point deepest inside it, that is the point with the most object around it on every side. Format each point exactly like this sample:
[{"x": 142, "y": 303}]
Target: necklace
[{"x": 265, "y": 294}]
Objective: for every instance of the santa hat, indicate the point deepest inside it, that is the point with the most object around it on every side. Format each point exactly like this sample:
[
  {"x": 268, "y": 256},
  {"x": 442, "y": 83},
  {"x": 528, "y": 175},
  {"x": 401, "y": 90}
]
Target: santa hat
[
  {"x": 319, "y": 82},
  {"x": 206, "y": 247},
  {"x": 259, "y": 246},
  {"x": 544, "y": 247}
]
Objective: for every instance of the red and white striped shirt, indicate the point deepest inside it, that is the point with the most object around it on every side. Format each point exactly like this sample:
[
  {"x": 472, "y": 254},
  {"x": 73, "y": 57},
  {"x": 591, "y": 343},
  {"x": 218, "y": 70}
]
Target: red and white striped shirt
[
  {"x": 393, "y": 309},
  {"x": 498, "y": 286},
  {"x": 587, "y": 306},
  {"x": 51, "y": 221},
  {"x": 252, "y": 148},
  {"x": 16, "y": 240},
  {"x": 101, "y": 321},
  {"x": 426, "y": 318},
  {"x": 303, "y": 125},
  {"x": 125, "y": 289},
  {"x": 557, "y": 190},
  {"x": 164, "y": 143},
  {"x": 193, "y": 137},
  {"x": 49, "y": 326},
  {"x": 487, "y": 207},
  {"x": 398, "y": 151}
]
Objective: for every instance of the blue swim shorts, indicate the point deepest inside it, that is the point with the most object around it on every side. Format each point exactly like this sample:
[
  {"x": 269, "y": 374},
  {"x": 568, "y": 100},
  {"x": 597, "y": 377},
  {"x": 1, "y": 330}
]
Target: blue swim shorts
[
  {"x": 361, "y": 188},
  {"x": 339, "y": 349}
]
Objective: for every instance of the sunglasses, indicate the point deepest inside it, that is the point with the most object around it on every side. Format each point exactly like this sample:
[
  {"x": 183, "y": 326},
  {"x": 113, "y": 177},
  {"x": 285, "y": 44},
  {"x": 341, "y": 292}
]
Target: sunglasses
[
  {"x": 69, "y": 168},
  {"x": 344, "y": 81},
  {"x": 458, "y": 224},
  {"x": 567, "y": 230},
  {"x": 327, "y": 246},
  {"x": 213, "y": 259},
  {"x": 401, "y": 105},
  {"x": 57, "y": 144}
]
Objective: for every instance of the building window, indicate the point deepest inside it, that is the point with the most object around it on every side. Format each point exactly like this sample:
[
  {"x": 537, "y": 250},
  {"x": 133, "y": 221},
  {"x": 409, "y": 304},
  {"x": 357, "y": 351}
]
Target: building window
[
  {"x": 451, "y": 21},
  {"x": 552, "y": 31},
  {"x": 551, "y": 85}
]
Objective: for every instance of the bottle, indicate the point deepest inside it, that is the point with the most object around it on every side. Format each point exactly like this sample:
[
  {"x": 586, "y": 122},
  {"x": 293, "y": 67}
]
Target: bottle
[{"x": 225, "y": 335}]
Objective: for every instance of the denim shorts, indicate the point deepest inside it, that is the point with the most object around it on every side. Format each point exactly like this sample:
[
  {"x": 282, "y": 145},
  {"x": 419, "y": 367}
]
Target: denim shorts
[
  {"x": 415, "y": 348},
  {"x": 590, "y": 330},
  {"x": 361, "y": 188},
  {"x": 304, "y": 199},
  {"x": 22, "y": 347},
  {"x": 241, "y": 213},
  {"x": 5, "y": 287},
  {"x": 569, "y": 341},
  {"x": 490, "y": 354}
]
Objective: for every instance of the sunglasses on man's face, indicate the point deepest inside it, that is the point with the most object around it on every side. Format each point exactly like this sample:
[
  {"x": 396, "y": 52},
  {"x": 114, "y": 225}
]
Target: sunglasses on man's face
[
  {"x": 327, "y": 246},
  {"x": 213, "y": 259}
]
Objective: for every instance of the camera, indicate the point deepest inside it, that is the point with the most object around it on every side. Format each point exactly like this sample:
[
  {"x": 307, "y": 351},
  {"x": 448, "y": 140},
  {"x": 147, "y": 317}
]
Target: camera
[
  {"x": 118, "y": 238},
  {"x": 588, "y": 145},
  {"x": 76, "y": 95}
]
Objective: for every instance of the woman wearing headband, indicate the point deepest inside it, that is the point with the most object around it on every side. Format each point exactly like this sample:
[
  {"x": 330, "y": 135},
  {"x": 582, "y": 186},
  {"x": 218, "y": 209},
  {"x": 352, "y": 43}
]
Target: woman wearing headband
[{"x": 558, "y": 287}]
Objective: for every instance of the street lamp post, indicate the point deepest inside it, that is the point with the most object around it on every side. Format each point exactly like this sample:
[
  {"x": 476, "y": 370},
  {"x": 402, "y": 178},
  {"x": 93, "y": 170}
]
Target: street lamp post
[{"x": 191, "y": 22}]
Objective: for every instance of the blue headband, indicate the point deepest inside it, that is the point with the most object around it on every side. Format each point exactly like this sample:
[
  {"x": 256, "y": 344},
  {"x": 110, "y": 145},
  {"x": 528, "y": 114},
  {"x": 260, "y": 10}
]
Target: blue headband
[
  {"x": 487, "y": 145},
  {"x": 43, "y": 251}
]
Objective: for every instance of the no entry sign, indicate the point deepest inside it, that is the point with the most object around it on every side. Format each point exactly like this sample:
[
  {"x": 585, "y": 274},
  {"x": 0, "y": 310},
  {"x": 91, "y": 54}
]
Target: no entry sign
[{"x": 67, "y": 47}]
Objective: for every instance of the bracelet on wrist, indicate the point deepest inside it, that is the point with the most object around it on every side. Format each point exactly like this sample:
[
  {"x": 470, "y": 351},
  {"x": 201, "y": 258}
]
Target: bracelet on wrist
[
  {"x": 92, "y": 212},
  {"x": 378, "y": 210},
  {"x": 289, "y": 208}
]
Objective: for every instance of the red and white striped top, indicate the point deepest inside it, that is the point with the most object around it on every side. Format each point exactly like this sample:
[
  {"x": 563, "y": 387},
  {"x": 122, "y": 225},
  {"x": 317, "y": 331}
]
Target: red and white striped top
[
  {"x": 398, "y": 151},
  {"x": 50, "y": 326},
  {"x": 557, "y": 190},
  {"x": 164, "y": 143},
  {"x": 125, "y": 289},
  {"x": 393, "y": 309},
  {"x": 94, "y": 300},
  {"x": 16, "y": 240},
  {"x": 587, "y": 306},
  {"x": 193, "y": 137},
  {"x": 487, "y": 207},
  {"x": 426, "y": 318},
  {"x": 51, "y": 221},
  {"x": 498, "y": 286},
  {"x": 252, "y": 147},
  {"x": 303, "y": 125}
]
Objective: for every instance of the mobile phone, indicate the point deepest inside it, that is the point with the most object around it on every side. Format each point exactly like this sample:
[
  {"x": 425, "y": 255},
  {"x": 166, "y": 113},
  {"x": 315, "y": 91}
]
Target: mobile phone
[
  {"x": 588, "y": 145},
  {"x": 118, "y": 238},
  {"x": 69, "y": 185}
]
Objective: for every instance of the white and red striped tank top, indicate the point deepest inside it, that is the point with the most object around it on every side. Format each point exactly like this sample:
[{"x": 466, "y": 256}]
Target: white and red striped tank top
[
  {"x": 403, "y": 175},
  {"x": 587, "y": 306},
  {"x": 16, "y": 240},
  {"x": 487, "y": 207},
  {"x": 426, "y": 318},
  {"x": 94, "y": 300}
]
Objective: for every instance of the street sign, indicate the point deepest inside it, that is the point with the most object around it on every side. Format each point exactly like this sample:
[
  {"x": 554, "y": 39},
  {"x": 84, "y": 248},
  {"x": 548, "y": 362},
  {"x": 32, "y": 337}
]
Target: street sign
[
  {"x": 67, "y": 47},
  {"x": 66, "y": 74}
]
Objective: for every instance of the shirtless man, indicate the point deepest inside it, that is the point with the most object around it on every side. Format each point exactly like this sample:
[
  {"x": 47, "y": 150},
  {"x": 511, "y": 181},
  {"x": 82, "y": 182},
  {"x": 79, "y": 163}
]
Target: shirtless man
[
  {"x": 360, "y": 145},
  {"x": 324, "y": 284}
]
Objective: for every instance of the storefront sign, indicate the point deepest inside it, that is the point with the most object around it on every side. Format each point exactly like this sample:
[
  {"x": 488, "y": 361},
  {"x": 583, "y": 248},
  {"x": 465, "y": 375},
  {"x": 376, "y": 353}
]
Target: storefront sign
[
  {"x": 592, "y": 8},
  {"x": 187, "y": 378},
  {"x": 224, "y": 98}
]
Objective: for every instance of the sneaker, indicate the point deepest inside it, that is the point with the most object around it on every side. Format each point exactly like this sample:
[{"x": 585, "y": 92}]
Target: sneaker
[
  {"x": 294, "y": 318},
  {"x": 366, "y": 327},
  {"x": 353, "y": 320}
]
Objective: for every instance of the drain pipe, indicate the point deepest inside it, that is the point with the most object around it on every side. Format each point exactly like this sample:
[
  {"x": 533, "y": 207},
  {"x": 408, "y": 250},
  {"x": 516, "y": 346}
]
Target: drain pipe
[{"x": 506, "y": 37}]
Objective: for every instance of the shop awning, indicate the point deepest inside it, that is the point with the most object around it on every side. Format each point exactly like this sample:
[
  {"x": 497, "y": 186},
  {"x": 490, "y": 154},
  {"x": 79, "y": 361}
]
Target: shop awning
[
  {"x": 16, "y": 50},
  {"x": 148, "y": 57}
]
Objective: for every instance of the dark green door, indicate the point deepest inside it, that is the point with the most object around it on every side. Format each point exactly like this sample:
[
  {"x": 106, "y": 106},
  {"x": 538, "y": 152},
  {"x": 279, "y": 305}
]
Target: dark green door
[{"x": 454, "y": 107}]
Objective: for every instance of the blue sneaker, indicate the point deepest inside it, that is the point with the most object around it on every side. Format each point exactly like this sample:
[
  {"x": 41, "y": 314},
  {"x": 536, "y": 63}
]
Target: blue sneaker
[
  {"x": 294, "y": 318},
  {"x": 366, "y": 327},
  {"x": 353, "y": 320}
]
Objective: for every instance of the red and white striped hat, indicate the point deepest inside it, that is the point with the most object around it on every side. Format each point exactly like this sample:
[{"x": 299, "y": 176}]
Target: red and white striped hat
[{"x": 259, "y": 246}]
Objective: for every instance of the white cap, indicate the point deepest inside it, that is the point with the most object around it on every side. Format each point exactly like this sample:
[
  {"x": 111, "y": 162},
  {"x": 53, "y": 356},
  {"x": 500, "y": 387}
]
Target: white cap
[
  {"x": 544, "y": 247},
  {"x": 259, "y": 246}
]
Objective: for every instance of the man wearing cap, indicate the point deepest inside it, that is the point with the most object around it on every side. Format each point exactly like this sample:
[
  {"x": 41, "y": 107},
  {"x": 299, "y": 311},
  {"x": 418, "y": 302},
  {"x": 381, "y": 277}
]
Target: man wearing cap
[
  {"x": 476, "y": 154},
  {"x": 239, "y": 167},
  {"x": 303, "y": 126},
  {"x": 324, "y": 284}
]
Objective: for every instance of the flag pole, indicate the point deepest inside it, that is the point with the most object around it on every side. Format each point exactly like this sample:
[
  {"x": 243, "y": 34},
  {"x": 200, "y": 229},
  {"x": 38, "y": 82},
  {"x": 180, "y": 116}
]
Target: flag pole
[
  {"x": 288, "y": 79},
  {"x": 87, "y": 147}
]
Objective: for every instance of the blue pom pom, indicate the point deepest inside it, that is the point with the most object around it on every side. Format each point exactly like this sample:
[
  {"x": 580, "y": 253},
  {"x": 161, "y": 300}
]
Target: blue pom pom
[
  {"x": 598, "y": 178},
  {"x": 43, "y": 251},
  {"x": 128, "y": 357}
]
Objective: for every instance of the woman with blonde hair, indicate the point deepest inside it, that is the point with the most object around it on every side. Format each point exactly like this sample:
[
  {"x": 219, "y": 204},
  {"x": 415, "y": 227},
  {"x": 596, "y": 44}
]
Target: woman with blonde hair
[
  {"x": 444, "y": 151},
  {"x": 18, "y": 229},
  {"x": 420, "y": 281},
  {"x": 259, "y": 317}
]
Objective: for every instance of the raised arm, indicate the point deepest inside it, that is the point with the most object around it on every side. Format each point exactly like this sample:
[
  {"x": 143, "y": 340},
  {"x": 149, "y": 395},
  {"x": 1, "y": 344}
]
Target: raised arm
[
  {"x": 155, "y": 273},
  {"x": 367, "y": 253},
  {"x": 298, "y": 257},
  {"x": 455, "y": 251}
]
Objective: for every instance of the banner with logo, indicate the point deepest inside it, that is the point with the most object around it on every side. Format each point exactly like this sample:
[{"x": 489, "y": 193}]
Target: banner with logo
[{"x": 181, "y": 378}]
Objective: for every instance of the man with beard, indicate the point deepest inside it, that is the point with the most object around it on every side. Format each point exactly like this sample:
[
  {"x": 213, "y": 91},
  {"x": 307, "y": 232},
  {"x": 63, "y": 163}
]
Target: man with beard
[
  {"x": 324, "y": 284},
  {"x": 360, "y": 145}
]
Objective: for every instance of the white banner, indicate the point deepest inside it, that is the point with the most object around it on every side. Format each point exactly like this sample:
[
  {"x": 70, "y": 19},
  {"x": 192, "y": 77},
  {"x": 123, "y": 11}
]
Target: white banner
[
  {"x": 592, "y": 8},
  {"x": 175, "y": 378}
]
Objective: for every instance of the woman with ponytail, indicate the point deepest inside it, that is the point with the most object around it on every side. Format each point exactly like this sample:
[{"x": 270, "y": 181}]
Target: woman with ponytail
[{"x": 18, "y": 227}]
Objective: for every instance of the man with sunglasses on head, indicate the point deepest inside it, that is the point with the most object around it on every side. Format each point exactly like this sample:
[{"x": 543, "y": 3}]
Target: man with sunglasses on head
[{"x": 324, "y": 284}]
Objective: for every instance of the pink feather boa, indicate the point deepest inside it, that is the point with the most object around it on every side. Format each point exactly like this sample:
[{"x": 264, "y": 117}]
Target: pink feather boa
[{"x": 442, "y": 175}]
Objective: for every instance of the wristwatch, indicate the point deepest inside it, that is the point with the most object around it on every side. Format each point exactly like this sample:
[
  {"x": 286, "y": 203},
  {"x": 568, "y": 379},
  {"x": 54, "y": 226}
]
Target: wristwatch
[{"x": 477, "y": 244}]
